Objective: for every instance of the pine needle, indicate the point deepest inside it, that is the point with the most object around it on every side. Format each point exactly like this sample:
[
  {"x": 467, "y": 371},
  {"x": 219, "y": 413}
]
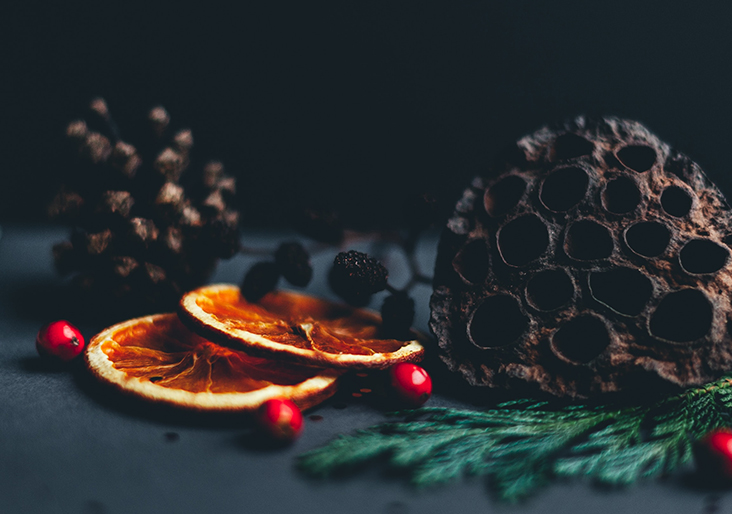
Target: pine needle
[{"x": 521, "y": 445}]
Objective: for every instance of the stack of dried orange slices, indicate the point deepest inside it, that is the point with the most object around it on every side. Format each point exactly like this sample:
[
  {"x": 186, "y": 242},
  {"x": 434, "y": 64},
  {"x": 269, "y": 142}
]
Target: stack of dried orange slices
[{"x": 222, "y": 353}]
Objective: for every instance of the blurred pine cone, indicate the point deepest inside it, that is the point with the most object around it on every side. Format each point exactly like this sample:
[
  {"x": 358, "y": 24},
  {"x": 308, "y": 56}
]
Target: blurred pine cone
[
  {"x": 146, "y": 227},
  {"x": 595, "y": 259}
]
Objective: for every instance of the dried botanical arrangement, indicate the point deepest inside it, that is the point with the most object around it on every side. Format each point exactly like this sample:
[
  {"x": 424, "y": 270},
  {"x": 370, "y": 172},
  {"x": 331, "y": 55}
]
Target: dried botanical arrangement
[{"x": 593, "y": 259}]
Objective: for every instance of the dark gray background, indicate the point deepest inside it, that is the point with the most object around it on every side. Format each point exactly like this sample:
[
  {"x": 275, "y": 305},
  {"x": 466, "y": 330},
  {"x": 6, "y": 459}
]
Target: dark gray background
[
  {"x": 301, "y": 99},
  {"x": 67, "y": 445}
]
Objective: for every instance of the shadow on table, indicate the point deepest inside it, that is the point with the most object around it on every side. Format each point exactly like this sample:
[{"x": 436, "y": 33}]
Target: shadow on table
[
  {"x": 40, "y": 301},
  {"x": 48, "y": 300},
  {"x": 110, "y": 399}
]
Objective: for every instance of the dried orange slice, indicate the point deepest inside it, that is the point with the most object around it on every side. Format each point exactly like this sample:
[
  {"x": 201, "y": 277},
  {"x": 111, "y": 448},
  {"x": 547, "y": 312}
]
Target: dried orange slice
[
  {"x": 295, "y": 327},
  {"x": 157, "y": 358}
]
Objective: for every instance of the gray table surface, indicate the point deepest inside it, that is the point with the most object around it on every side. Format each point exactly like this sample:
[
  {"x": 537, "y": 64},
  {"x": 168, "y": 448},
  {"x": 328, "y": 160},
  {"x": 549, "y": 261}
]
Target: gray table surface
[{"x": 66, "y": 446}]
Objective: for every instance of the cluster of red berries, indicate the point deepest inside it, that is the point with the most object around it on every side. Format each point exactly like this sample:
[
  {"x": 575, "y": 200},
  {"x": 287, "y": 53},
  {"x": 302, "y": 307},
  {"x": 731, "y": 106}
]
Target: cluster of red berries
[{"x": 282, "y": 420}]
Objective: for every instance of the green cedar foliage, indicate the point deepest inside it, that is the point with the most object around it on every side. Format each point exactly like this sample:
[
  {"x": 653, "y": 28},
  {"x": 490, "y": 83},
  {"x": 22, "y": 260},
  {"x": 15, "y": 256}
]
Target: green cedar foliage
[{"x": 521, "y": 445}]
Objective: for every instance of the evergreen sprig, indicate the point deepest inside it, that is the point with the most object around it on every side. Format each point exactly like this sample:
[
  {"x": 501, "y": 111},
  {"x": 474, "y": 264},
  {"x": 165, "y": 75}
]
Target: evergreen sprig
[{"x": 521, "y": 445}]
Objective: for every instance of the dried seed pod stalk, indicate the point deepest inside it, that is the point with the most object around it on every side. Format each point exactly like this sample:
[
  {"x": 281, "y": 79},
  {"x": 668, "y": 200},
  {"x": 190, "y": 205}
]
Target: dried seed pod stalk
[
  {"x": 594, "y": 259},
  {"x": 148, "y": 225}
]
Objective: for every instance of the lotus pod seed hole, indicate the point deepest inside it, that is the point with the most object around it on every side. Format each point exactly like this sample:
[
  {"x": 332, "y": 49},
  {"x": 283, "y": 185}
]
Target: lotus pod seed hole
[
  {"x": 570, "y": 146},
  {"x": 682, "y": 317},
  {"x": 496, "y": 322},
  {"x": 564, "y": 188},
  {"x": 648, "y": 238},
  {"x": 522, "y": 240},
  {"x": 471, "y": 262},
  {"x": 549, "y": 290},
  {"x": 639, "y": 158},
  {"x": 701, "y": 256},
  {"x": 621, "y": 196},
  {"x": 504, "y": 195},
  {"x": 581, "y": 339},
  {"x": 624, "y": 290},
  {"x": 676, "y": 201},
  {"x": 588, "y": 241}
]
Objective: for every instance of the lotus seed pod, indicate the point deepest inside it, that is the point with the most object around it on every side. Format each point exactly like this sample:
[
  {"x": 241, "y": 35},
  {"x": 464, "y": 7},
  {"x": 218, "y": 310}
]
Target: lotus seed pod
[{"x": 593, "y": 260}]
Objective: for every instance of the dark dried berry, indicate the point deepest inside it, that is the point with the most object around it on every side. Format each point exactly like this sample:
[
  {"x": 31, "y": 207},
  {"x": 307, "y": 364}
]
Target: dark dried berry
[
  {"x": 355, "y": 277},
  {"x": 294, "y": 263},
  {"x": 397, "y": 315},
  {"x": 260, "y": 280}
]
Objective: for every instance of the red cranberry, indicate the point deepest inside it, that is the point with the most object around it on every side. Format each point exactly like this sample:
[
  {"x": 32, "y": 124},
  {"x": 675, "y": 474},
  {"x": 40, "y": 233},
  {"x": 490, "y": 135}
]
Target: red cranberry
[
  {"x": 411, "y": 383},
  {"x": 713, "y": 455},
  {"x": 281, "y": 419},
  {"x": 60, "y": 340}
]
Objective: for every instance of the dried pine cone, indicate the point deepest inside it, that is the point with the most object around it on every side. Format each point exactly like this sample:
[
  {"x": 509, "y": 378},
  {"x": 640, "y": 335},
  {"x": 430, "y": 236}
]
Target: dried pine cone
[
  {"x": 595, "y": 259},
  {"x": 146, "y": 227}
]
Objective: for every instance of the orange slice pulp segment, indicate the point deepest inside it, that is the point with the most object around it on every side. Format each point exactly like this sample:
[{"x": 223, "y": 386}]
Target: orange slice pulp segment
[
  {"x": 295, "y": 327},
  {"x": 158, "y": 358}
]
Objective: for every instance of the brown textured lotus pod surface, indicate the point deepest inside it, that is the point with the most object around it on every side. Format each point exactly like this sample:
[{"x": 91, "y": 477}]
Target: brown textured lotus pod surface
[{"x": 594, "y": 259}]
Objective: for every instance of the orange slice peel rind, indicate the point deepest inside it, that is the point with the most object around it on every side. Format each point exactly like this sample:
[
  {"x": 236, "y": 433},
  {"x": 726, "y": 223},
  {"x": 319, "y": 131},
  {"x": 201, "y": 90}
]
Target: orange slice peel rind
[
  {"x": 157, "y": 358},
  {"x": 295, "y": 327}
]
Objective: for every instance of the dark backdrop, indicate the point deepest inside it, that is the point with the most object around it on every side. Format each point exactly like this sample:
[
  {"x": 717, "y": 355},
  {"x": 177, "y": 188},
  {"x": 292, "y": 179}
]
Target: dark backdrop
[{"x": 367, "y": 100}]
